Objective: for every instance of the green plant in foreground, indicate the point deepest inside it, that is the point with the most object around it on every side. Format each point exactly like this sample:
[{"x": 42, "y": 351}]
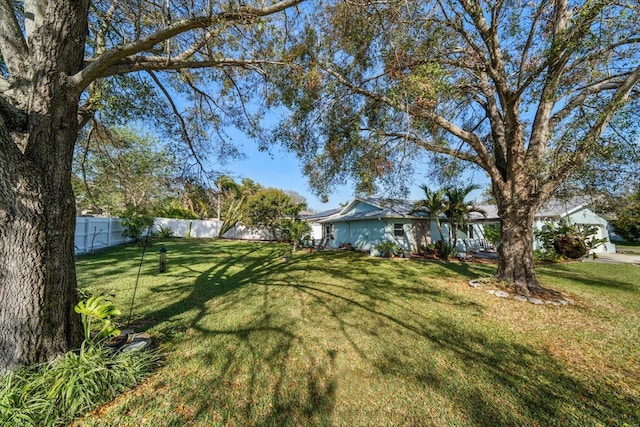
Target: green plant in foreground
[
  {"x": 97, "y": 309},
  {"x": 56, "y": 392}
]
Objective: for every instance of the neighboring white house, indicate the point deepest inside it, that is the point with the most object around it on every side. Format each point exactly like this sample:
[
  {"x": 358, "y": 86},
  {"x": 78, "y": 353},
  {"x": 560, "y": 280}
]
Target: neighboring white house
[
  {"x": 575, "y": 211},
  {"x": 365, "y": 222}
]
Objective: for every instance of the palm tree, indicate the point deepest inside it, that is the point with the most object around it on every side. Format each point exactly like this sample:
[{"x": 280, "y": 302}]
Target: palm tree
[
  {"x": 458, "y": 209},
  {"x": 434, "y": 204},
  {"x": 225, "y": 185}
]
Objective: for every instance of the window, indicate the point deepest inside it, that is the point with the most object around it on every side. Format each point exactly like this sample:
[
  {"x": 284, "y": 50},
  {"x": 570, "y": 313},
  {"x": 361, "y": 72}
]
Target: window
[
  {"x": 398, "y": 230},
  {"x": 470, "y": 233}
]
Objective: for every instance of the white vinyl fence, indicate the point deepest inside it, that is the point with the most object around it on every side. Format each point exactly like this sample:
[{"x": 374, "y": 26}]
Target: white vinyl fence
[
  {"x": 96, "y": 233},
  {"x": 207, "y": 229}
]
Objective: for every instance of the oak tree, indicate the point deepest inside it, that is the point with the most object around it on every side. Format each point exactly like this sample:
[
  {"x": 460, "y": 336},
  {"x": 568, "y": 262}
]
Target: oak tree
[
  {"x": 525, "y": 91},
  {"x": 61, "y": 62}
]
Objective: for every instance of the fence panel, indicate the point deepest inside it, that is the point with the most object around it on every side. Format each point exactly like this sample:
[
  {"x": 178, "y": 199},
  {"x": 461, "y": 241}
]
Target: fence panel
[
  {"x": 96, "y": 233},
  {"x": 93, "y": 233}
]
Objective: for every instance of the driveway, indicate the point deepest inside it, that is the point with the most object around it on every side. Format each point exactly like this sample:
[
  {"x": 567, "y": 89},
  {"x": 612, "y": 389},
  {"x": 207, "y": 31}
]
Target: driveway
[{"x": 616, "y": 259}]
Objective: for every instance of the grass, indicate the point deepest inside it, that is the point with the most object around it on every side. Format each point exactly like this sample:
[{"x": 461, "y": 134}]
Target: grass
[{"x": 340, "y": 338}]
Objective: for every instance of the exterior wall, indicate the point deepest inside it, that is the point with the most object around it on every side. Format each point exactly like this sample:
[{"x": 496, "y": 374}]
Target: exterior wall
[
  {"x": 365, "y": 234},
  {"x": 361, "y": 234},
  {"x": 585, "y": 216},
  {"x": 435, "y": 233},
  {"x": 316, "y": 231},
  {"x": 208, "y": 229},
  {"x": 421, "y": 234},
  {"x": 406, "y": 242}
]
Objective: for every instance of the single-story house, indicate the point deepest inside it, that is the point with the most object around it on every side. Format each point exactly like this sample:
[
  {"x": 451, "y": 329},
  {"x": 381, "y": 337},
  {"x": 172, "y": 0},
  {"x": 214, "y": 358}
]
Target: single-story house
[
  {"x": 365, "y": 222},
  {"x": 575, "y": 211}
]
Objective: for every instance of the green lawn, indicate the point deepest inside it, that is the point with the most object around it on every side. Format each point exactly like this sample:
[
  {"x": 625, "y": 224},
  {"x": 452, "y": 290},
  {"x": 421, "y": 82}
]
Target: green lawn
[{"x": 340, "y": 338}]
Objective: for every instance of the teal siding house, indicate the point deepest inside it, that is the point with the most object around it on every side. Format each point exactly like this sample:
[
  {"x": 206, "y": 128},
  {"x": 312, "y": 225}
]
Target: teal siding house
[{"x": 365, "y": 222}]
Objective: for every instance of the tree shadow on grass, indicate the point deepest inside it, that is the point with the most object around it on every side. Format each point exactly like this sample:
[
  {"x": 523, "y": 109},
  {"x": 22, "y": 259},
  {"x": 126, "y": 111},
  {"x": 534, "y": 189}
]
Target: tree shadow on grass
[
  {"x": 218, "y": 281},
  {"x": 506, "y": 383},
  {"x": 270, "y": 369}
]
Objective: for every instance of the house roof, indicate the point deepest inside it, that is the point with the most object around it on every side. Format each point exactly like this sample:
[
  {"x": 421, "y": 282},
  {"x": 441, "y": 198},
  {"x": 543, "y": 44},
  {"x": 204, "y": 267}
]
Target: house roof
[
  {"x": 318, "y": 216},
  {"x": 382, "y": 208},
  {"x": 403, "y": 209},
  {"x": 560, "y": 208},
  {"x": 552, "y": 209}
]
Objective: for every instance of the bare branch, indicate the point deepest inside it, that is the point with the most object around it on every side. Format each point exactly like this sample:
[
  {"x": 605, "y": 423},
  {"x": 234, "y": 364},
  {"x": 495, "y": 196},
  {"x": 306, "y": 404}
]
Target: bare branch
[
  {"x": 176, "y": 112},
  {"x": 442, "y": 149},
  {"x": 592, "y": 137},
  {"x": 524, "y": 60},
  {"x": 187, "y": 53},
  {"x": 609, "y": 83},
  {"x": 106, "y": 24}
]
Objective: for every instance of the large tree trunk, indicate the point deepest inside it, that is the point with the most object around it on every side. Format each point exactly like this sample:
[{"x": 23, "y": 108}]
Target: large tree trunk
[
  {"x": 37, "y": 207},
  {"x": 516, "y": 263}
]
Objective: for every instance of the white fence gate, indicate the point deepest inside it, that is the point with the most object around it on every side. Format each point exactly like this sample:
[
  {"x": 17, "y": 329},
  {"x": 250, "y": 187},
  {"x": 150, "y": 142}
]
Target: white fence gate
[{"x": 97, "y": 233}]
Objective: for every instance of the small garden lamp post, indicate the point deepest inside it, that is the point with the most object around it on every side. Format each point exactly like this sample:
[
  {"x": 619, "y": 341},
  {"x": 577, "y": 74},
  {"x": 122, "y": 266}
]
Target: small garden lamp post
[{"x": 163, "y": 259}]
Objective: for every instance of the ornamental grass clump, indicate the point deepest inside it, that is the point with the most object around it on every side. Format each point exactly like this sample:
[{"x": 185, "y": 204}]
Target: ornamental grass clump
[{"x": 54, "y": 393}]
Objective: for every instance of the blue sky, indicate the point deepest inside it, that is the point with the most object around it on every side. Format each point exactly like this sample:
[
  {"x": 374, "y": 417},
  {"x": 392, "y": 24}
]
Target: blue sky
[{"x": 280, "y": 169}]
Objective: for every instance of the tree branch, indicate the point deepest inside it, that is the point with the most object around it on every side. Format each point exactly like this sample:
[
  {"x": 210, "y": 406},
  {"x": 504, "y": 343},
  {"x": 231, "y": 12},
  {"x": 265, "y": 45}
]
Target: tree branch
[
  {"x": 103, "y": 62},
  {"x": 610, "y": 83},
  {"x": 101, "y": 36},
  {"x": 183, "y": 124},
  {"x": 158, "y": 63},
  {"x": 13, "y": 46},
  {"x": 579, "y": 156},
  {"x": 468, "y": 137}
]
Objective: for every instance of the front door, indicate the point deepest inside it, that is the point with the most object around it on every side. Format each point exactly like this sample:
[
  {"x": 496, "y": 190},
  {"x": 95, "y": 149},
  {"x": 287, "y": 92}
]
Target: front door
[{"x": 327, "y": 234}]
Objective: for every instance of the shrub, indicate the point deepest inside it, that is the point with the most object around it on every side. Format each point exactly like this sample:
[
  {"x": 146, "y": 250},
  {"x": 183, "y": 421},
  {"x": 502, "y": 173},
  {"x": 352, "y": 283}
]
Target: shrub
[
  {"x": 164, "y": 232},
  {"x": 135, "y": 222},
  {"x": 294, "y": 231},
  {"x": 447, "y": 251},
  {"x": 568, "y": 240},
  {"x": 387, "y": 248},
  {"x": 492, "y": 233}
]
